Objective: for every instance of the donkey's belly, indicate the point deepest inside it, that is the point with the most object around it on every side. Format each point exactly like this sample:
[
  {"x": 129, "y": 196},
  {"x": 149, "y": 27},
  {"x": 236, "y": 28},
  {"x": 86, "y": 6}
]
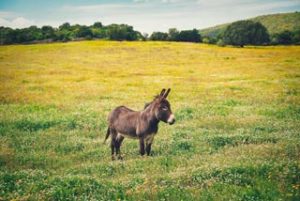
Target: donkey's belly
[{"x": 127, "y": 135}]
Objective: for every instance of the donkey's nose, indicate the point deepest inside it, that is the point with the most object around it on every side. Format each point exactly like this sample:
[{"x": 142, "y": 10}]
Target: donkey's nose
[{"x": 171, "y": 119}]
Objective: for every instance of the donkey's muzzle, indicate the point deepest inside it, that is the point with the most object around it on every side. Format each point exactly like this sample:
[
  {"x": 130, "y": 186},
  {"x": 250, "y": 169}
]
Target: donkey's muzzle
[{"x": 171, "y": 119}]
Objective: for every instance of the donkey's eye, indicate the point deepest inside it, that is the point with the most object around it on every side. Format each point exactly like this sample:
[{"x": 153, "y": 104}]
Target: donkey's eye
[{"x": 165, "y": 108}]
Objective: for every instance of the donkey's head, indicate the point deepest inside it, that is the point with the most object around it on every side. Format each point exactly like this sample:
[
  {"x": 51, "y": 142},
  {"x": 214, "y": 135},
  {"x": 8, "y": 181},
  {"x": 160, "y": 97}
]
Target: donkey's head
[{"x": 162, "y": 108}]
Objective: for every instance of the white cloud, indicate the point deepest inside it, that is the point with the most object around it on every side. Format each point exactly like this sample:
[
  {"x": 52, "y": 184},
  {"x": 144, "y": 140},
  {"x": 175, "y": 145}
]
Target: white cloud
[
  {"x": 173, "y": 1},
  {"x": 160, "y": 1},
  {"x": 98, "y": 7},
  {"x": 22, "y": 22},
  {"x": 4, "y": 22},
  {"x": 19, "y": 22},
  {"x": 140, "y": 1}
]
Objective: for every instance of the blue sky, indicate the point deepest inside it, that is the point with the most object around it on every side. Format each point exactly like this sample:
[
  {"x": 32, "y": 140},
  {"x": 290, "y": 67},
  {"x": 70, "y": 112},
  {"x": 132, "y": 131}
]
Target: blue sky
[{"x": 145, "y": 15}]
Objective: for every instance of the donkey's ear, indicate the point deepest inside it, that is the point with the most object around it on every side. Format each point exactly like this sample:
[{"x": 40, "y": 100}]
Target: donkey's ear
[
  {"x": 162, "y": 92},
  {"x": 167, "y": 93}
]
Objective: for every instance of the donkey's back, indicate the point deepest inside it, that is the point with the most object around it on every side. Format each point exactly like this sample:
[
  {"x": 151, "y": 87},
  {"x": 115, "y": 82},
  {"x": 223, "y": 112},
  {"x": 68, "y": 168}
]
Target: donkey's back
[{"x": 123, "y": 120}]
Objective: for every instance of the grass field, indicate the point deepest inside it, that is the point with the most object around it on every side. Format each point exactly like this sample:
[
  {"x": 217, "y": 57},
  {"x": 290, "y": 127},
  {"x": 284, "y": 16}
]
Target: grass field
[{"x": 237, "y": 135}]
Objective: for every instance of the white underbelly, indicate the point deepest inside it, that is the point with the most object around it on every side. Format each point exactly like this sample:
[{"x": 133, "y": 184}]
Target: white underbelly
[
  {"x": 127, "y": 136},
  {"x": 148, "y": 139}
]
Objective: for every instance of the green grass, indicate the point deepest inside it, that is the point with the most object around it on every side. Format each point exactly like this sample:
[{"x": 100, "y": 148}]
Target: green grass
[{"x": 237, "y": 134}]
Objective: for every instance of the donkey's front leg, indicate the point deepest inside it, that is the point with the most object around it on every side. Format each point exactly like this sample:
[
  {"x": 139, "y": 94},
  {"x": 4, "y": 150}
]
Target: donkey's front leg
[
  {"x": 148, "y": 148},
  {"x": 142, "y": 146},
  {"x": 149, "y": 141}
]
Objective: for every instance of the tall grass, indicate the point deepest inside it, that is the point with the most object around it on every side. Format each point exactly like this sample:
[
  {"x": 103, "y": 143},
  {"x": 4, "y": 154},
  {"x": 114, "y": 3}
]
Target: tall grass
[{"x": 236, "y": 135}]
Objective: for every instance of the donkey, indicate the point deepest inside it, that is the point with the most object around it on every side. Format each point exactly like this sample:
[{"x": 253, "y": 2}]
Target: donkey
[{"x": 141, "y": 125}]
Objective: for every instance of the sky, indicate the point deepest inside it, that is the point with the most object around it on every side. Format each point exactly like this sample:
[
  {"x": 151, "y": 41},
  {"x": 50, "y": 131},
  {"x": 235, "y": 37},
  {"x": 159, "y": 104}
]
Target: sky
[{"x": 145, "y": 16}]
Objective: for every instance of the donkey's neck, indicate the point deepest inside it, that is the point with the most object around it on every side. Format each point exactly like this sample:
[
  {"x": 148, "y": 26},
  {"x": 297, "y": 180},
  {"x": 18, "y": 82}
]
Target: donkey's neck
[{"x": 149, "y": 115}]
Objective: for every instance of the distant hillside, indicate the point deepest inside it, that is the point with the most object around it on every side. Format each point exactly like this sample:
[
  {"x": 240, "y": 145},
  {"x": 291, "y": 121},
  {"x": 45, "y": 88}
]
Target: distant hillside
[{"x": 275, "y": 23}]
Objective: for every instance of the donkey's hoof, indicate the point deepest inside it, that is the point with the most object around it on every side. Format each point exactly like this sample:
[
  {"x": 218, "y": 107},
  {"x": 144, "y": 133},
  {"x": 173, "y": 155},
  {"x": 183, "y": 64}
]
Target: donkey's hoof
[
  {"x": 120, "y": 157},
  {"x": 113, "y": 158}
]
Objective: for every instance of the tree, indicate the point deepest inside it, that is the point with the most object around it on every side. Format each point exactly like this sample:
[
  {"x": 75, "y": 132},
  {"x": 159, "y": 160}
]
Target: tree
[
  {"x": 145, "y": 36},
  {"x": 7, "y": 36},
  {"x": 83, "y": 32},
  {"x": 246, "y": 32},
  {"x": 285, "y": 37},
  {"x": 220, "y": 43},
  {"x": 48, "y": 32},
  {"x": 122, "y": 32},
  {"x": 210, "y": 40},
  {"x": 32, "y": 33},
  {"x": 97, "y": 25},
  {"x": 64, "y": 32},
  {"x": 65, "y": 26},
  {"x": 296, "y": 36},
  {"x": 63, "y": 35},
  {"x": 159, "y": 36},
  {"x": 189, "y": 36},
  {"x": 173, "y": 34},
  {"x": 98, "y": 33},
  {"x": 98, "y": 30}
]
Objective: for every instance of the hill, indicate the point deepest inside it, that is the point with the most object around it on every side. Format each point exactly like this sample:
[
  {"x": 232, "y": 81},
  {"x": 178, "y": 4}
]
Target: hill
[{"x": 275, "y": 23}]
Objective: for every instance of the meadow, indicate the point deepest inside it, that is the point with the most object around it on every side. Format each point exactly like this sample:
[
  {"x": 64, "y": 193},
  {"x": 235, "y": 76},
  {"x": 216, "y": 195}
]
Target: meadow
[{"x": 237, "y": 134}]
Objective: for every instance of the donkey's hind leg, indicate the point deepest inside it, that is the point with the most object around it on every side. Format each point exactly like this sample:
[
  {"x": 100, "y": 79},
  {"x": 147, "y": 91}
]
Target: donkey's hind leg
[
  {"x": 112, "y": 146},
  {"x": 119, "y": 140},
  {"x": 113, "y": 143},
  {"x": 142, "y": 146}
]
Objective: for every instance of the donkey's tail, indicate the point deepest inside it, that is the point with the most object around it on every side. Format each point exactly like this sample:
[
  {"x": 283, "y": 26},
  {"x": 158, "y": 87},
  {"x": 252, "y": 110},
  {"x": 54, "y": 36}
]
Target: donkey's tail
[{"x": 107, "y": 135}]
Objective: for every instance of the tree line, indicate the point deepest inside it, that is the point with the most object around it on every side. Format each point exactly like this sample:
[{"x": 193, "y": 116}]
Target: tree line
[
  {"x": 245, "y": 32},
  {"x": 175, "y": 35},
  {"x": 68, "y": 32},
  {"x": 240, "y": 33}
]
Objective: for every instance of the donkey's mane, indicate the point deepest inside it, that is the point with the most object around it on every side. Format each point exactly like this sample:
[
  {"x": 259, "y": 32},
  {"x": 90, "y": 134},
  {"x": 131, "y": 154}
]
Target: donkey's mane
[
  {"x": 149, "y": 103},
  {"x": 163, "y": 94},
  {"x": 155, "y": 97}
]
